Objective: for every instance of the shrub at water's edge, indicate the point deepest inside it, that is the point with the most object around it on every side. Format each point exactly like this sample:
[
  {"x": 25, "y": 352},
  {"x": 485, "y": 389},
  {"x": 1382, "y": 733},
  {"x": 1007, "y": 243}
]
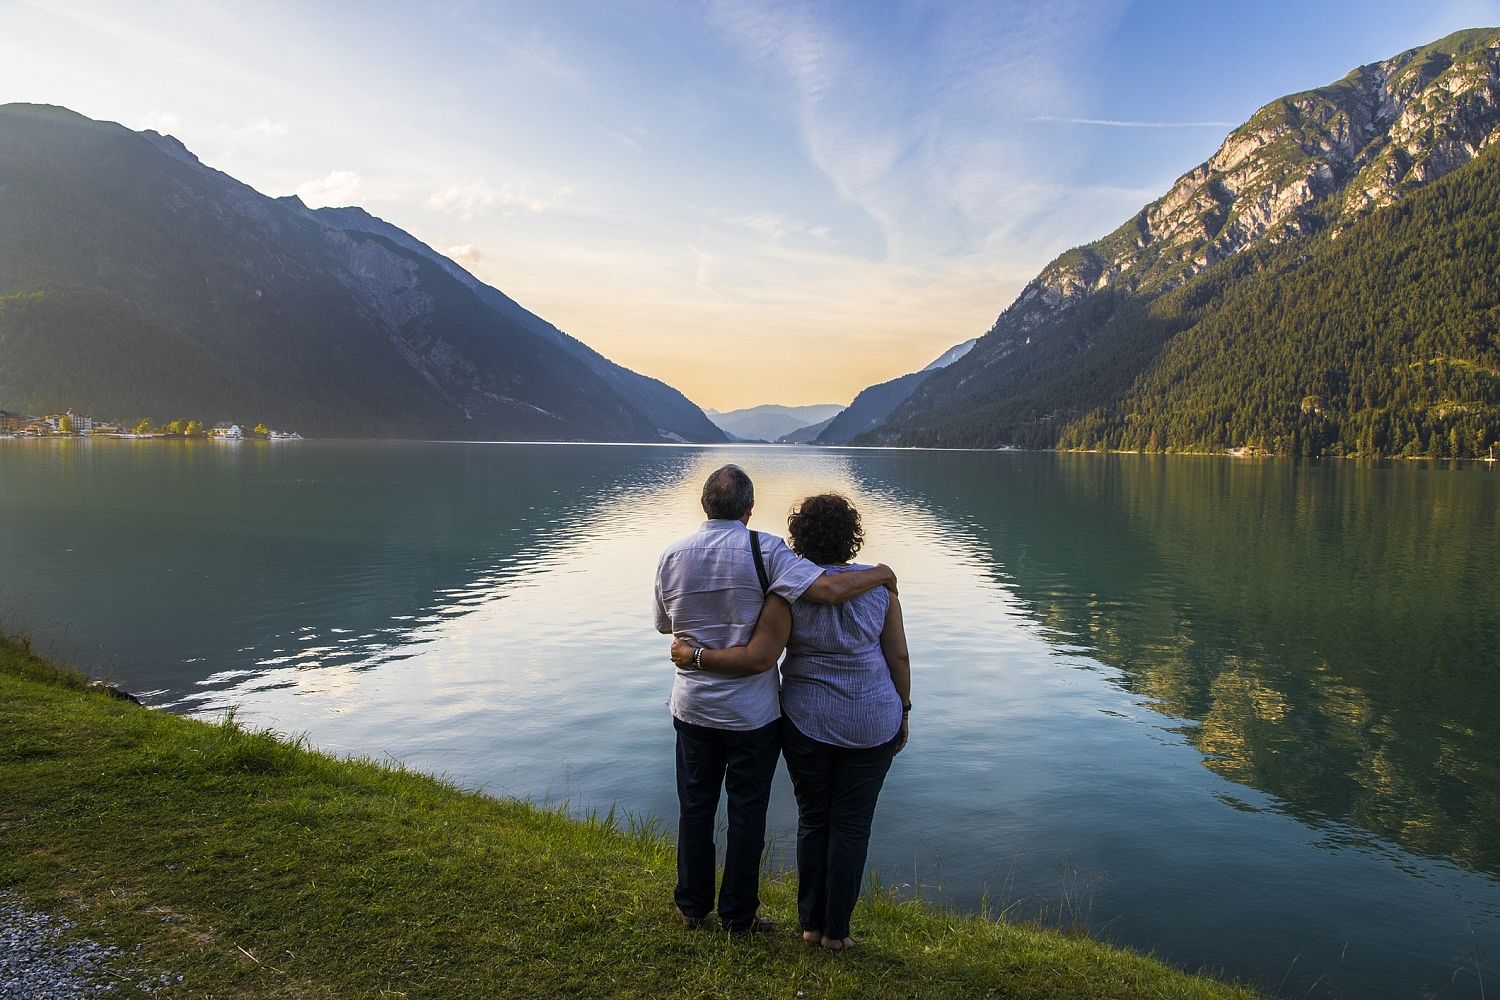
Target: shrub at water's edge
[{"x": 253, "y": 866}]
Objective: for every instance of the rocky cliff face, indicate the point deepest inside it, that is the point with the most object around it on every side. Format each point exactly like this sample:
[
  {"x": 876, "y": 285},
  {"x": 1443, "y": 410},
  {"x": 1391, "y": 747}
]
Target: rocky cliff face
[{"x": 1322, "y": 158}]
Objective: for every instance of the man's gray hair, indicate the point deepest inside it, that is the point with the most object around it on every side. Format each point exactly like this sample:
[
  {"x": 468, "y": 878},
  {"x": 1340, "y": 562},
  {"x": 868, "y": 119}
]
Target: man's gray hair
[{"x": 728, "y": 494}]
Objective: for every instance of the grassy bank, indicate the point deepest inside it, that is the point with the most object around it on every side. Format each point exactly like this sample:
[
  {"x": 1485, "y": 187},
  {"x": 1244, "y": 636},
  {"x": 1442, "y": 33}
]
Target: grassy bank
[{"x": 257, "y": 868}]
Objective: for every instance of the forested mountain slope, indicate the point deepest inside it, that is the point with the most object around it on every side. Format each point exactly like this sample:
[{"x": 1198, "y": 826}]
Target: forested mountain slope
[
  {"x": 135, "y": 281},
  {"x": 1383, "y": 341},
  {"x": 1322, "y": 284},
  {"x": 875, "y": 403},
  {"x": 674, "y": 415}
]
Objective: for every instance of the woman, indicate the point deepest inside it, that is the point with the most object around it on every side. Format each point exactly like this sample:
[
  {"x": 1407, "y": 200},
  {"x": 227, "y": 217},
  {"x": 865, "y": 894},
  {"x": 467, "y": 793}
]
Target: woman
[{"x": 845, "y": 696}]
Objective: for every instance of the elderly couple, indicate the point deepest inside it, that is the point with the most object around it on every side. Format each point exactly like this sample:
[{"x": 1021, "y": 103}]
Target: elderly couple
[{"x": 734, "y": 599}]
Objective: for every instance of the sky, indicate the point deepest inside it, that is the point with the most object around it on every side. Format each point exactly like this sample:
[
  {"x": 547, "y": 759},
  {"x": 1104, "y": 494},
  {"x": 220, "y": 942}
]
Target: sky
[{"x": 756, "y": 202}]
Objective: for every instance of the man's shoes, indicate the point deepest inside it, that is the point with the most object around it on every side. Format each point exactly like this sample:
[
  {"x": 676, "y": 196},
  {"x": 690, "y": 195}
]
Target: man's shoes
[
  {"x": 757, "y": 925},
  {"x": 690, "y": 923}
]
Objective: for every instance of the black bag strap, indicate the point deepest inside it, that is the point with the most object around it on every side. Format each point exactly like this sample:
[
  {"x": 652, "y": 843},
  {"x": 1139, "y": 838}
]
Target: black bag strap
[{"x": 760, "y": 563}]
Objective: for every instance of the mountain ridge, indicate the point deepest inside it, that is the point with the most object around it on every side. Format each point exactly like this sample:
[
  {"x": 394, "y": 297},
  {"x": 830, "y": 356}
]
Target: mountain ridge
[
  {"x": 674, "y": 414},
  {"x": 1316, "y": 162},
  {"x": 771, "y": 421},
  {"x": 874, "y": 404},
  {"x": 136, "y": 280}
]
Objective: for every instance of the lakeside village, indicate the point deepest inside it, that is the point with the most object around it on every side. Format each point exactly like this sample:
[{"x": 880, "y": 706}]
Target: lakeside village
[{"x": 70, "y": 424}]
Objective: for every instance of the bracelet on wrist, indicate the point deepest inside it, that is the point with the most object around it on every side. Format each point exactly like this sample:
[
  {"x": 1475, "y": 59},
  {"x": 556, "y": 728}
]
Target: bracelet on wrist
[{"x": 698, "y": 658}]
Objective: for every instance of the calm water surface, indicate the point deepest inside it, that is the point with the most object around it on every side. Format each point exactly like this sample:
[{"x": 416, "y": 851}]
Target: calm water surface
[{"x": 1243, "y": 714}]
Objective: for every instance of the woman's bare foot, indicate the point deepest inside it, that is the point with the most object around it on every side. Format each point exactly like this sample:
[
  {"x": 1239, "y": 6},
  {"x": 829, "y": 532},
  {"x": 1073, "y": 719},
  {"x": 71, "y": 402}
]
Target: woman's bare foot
[
  {"x": 835, "y": 944},
  {"x": 813, "y": 937}
]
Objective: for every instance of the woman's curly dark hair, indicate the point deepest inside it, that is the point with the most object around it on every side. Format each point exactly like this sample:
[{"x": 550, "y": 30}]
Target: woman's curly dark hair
[{"x": 825, "y": 529}]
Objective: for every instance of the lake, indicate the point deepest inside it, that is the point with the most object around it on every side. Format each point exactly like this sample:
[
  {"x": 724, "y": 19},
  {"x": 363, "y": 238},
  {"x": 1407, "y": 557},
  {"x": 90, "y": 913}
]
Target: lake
[{"x": 1242, "y": 713}]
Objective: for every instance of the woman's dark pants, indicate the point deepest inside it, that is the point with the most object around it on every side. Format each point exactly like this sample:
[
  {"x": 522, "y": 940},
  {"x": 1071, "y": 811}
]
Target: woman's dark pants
[
  {"x": 743, "y": 762},
  {"x": 836, "y": 791}
]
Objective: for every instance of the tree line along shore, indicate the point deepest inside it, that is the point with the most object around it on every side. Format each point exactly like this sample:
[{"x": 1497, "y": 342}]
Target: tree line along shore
[{"x": 253, "y": 866}]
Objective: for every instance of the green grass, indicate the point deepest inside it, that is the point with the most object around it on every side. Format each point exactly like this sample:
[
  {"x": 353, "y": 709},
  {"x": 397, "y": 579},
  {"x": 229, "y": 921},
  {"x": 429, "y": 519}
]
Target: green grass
[{"x": 255, "y": 867}]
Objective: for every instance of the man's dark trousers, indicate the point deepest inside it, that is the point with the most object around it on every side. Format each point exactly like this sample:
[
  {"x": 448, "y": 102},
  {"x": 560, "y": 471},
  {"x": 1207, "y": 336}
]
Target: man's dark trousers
[{"x": 743, "y": 762}]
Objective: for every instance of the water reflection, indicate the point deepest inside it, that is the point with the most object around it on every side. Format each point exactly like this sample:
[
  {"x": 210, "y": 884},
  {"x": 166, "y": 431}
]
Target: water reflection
[
  {"x": 1087, "y": 633},
  {"x": 156, "y": 560},
  {"x": 1329, "y": 634}
]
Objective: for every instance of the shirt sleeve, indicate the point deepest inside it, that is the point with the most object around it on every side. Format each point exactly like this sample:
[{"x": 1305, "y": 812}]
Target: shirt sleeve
[{"x": 789, "y": 573}]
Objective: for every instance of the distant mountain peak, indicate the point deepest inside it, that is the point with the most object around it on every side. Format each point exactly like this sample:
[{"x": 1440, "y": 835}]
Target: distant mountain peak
[
  {"x": 173, "y": 146},
  {"x": 771, "y": 421},
  {"x": 952, "y": 355}
]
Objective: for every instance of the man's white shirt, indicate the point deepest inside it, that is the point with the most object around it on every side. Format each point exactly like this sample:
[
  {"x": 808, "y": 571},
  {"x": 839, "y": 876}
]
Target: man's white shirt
[{"x": 707, "y": 591}]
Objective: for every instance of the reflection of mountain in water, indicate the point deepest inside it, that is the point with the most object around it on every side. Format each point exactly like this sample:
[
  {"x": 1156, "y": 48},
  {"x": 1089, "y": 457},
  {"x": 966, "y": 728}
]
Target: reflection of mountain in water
[
  {"x": 1332, "y": 632},
  {"x": 336, "y": 554}
]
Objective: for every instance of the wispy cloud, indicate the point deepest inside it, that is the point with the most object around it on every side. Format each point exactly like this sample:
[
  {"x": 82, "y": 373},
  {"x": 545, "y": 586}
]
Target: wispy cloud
[
  {"x": 264, "y": 127},
  {"x": 846, "y": 132},
  {"x": 468, "y": 200},
  {"x": 921, "y": 130},
  {"x": 703, "y": 268},
  {"x": 777, "y": 227},
  {"x": 542, "y": 57},
  {"x": 466, "y": 254},
  {"x": 161, "y": 121},
  {"x": 628, "y": 141},
  {"x": 1117, "y": 123},
  {"x": 338, "y": 188}
]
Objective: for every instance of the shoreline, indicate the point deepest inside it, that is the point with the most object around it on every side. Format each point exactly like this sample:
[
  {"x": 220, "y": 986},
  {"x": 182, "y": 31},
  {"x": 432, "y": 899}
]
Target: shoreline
[
  {"x": 1234, "y": 453},
  {"x": 255, "y": 866}
]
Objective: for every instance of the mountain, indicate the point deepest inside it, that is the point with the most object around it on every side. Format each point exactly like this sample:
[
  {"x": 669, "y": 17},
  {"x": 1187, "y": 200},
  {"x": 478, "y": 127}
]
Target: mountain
[
  {"x": 770, "y": 421},
  {"x": 808, "y": 434},
  {"x": 136, "y": 281},
  {"x": 874, "y": 405},
  {"x": 1240, "y": 308},
  {"x": 952, "y": 355},
  {"x": 871, "y": 408},
  {"x": 674, "y": 415}
]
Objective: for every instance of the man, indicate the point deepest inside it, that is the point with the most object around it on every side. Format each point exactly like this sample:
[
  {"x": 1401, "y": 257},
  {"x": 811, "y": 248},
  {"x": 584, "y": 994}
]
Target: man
[{"x": 710, "y": 589}]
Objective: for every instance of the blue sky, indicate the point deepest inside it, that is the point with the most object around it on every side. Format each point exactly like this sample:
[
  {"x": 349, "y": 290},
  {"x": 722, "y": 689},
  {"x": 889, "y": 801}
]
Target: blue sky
[{"x": 758, "y": 202}]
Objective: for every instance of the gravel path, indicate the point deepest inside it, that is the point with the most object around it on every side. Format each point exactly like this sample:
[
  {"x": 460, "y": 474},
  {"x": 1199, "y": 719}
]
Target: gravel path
[{"x": 37, "y": 964}]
